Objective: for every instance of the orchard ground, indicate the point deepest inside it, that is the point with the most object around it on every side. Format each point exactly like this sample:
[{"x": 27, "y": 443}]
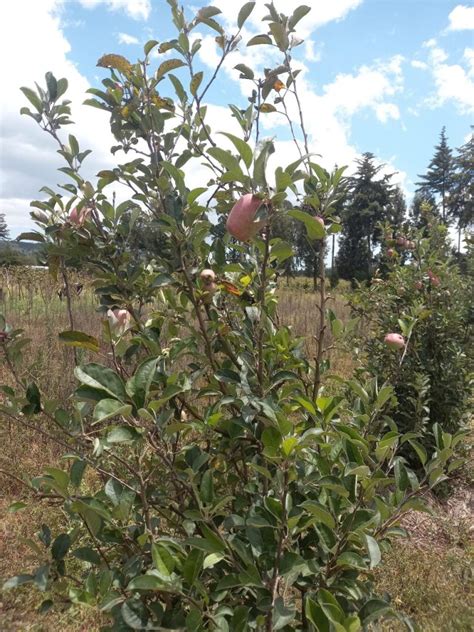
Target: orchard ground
[{"x": 428, "y": 575}]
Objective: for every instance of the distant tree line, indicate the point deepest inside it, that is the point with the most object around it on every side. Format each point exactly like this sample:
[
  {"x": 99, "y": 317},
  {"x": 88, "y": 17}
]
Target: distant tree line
[{"x": 370, "y": 199}]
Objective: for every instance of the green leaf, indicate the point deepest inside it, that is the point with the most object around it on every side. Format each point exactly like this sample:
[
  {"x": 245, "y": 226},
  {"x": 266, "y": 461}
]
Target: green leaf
[
  {"x": 242, "y": 147},
  {"x": 401, "y": 476},
  {"x": 122, "y": 434},
  {"x": 108, "y": 408},
  {"x": 225, "y": 158},
  {"x": 77, "y": 471},
  {"x": 133, "y": 615},
  {"x": 139, "y": 385},
  {"x": 281, "y": 251},
  {"x": 60, "y": 476},
  {"x": 86, "y": 554},
  {"x": 60, "y": 546},
  {"x": 314, "y": 229},
  {"x": 348, "y": 558},
  {"x": 245, "y": 71},
  {"x": 101, "y": 378},
  {"x": 149, "y": 46},
  {"x": 271, "y": 440},
  {"x": 319, "y": 512},
  {"x": 282, "y": 615},
  {"x": 192, "y": 566},
  {"x": 160, "y": 557},
  {"x": 298, "y": 14},
  {"x": 62, "y": 86},
  {"x": 372, "y": 610},
  {"x": 31, "y": 237},
  {"x": 52, "y": 85},
  {"x": 419, "y": 449},
  {"x": 316, "y": 615},
  {"x": 206, "y": 490},
  {"x": 373, "y": 550},
  {"x": 259, "y": 39},
  {"x": 196, "y": 82},
  {"x": 33, "y": 98},
  {"x": 244, "y": 13},
  {"x": 168, "y": 66},
  {"x": 215, "y": 540},
  {"x": 260, "y": 164},
  {"x": 79, "y": 339}
]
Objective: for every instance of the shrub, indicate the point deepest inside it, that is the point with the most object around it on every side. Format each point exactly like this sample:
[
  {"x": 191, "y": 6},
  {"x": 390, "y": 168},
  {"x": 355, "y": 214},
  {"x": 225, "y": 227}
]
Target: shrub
[
  {"x": 226, "y": 489},
  {"x": 427, "y": 301}
]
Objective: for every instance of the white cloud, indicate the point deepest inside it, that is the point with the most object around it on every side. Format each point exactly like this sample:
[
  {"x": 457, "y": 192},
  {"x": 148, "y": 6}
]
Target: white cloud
[
  {"x": 469, "y": 57},
  {"x": 28, "y": 159},
  {"x": 124, "y": 38},
  {"x": 136, "y": 9},
  {"x": 461, "y": 18},
  {"x": 328, "y": 110},
  {"x": 453, "y": 82},
  {"x": 310, "y": 54},
  {"x": 322, "y": 12},
  {"x": 421, "y": 65}
]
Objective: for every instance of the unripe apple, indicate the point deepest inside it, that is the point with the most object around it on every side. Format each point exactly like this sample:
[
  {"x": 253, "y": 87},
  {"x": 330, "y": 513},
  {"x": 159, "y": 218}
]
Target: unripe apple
[
  {"x": 240, "y": 222},
  {"x": 78, "y": 217},
  {"x": 434, "y": 280},
  {"x": 391, "y": 253},
  {"x": 411, "y": 245},
  {"x": 119, "y": 320},
  {"x": 419, "y": 285},
  {"x": 207, "y": 276},
  {"x": 394, "y": 341},
  {"x": 402, "y": 242}
]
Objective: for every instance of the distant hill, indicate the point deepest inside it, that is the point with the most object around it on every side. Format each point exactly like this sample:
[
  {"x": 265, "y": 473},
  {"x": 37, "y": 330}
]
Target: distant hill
[
  {"x": 26, "y": 247},
  {"x": 14, "y": 252}
]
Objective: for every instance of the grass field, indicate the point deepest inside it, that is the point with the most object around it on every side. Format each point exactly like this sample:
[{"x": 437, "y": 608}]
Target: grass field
[{"x": 428, "y": 576}]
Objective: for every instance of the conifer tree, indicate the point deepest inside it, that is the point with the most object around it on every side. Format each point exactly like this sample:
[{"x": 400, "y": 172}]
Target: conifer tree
[
  {"x": 369, "y": 202},
  {"x": 438, "y": 180},
  {"x": 3, "y": 227},
  {"x": 462, "y": 198}
]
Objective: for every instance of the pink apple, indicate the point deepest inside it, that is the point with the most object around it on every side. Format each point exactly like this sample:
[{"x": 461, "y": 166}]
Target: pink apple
[
  {"x": 78, "y": 217},
  {"x": 434, "y": 280},
  {"x": 207, "y": 276},
  {"x": 240, "y": 222},
  {"x": 119, "y": 320},
  {"x": 394, "y": 341}
]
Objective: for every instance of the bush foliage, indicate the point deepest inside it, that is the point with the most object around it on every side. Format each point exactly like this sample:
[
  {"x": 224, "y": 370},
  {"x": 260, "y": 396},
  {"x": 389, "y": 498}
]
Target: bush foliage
[{"x": 210, "y": 479}]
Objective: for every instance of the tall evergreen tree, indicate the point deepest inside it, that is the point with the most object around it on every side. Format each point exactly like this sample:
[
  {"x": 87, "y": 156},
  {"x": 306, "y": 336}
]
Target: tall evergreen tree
[
  {"x": 3, "y": 227},
  {"x": 397, "y": 210},
  {"x": 439, "y": 179},
  {"x": 369, "y": 203},
  {"x": 462, "y": 198}
]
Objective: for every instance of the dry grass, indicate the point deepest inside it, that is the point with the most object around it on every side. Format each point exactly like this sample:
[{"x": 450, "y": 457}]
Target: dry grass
[{"x": 428, "y": 576}]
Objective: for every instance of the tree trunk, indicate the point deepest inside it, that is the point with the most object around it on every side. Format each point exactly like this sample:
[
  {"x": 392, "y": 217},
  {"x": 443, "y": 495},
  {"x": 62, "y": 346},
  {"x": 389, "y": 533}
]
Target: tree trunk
[{"x": 333, "y": 258}]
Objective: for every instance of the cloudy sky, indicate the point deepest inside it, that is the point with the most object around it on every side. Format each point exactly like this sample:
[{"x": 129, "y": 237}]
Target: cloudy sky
[{"x": 378, "y": 75}]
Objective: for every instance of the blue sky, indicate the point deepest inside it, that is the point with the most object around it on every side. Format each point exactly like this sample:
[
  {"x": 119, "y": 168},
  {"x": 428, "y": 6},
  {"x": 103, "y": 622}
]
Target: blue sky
[{"x": 378, "y": 75}]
